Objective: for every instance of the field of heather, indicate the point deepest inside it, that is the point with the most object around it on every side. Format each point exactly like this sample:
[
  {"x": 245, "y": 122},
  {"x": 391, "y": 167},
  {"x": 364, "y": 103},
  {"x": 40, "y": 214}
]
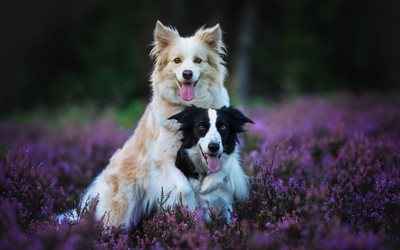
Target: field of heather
[{"x": 324, "y": 174}]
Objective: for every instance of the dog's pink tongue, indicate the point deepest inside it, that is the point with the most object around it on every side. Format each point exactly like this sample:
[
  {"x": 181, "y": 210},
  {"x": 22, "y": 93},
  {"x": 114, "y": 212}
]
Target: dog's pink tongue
[
  {"x": 187, "y": 92},
  {"x": 213, "y": 163}
]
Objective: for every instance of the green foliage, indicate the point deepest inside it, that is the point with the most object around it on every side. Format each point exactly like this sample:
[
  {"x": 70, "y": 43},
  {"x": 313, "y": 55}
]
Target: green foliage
[
  {"x": 129, "y": 115},
  {"x": 61, "y": 116},
  {"x": 3, "y": 150}
]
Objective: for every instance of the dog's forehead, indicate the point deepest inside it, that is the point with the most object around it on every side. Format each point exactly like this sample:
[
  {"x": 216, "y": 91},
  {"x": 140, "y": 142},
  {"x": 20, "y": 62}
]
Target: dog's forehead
[
  {"x": 207, "y": 115},
  {"x": 202, "y": 116},
  {"x": 212, "y": 114},
  {"x": 188, "y": 46},
  {"x": 223, "y": 116}
]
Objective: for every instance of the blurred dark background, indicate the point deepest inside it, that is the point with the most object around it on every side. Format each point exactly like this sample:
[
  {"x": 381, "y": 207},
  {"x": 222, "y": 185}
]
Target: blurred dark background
[{"x": 96, "y": 51}]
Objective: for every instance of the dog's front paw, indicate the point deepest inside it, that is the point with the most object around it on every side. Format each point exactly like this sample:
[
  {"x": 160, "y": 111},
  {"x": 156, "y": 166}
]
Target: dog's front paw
[
  {"x": 190, "y": 202},
  {"x": 188, "y": 199},
  {"x": 181, "y": 196}
]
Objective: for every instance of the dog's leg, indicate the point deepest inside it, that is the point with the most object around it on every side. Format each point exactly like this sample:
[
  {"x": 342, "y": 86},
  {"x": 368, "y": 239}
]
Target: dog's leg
[
  {"x": 164, "y": 175},
  {"x": 116, "y": 201},
  {"x": 175, "y": 187},
  {"x": 221, "y": 200},
  {"x": 227, "y": 213},
  {"x": 212, "y": 182},
  {"x": 120, "y": 202}
]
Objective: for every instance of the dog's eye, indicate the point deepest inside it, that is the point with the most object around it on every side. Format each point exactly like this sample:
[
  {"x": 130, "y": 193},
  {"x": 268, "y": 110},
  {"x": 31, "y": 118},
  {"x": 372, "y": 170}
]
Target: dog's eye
[
  {"x": 223, "y": 127},
  {"x": 202, "y": 128},
  {"x": 198, "y": 60},
  {"x": 177, "y": 60}
]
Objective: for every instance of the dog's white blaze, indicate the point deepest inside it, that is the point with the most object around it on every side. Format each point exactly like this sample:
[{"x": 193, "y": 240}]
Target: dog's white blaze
[{"x": 212, "y": 135}]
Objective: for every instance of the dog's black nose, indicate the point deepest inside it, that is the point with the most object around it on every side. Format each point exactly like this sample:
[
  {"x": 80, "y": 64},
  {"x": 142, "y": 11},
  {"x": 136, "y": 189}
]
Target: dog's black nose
[
  {"x": 187, "y": 74},
  {"x": 213, "y": 147}
]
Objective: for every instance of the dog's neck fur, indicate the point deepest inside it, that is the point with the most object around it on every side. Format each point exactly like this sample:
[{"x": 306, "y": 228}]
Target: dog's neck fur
[{"x": 215, "y": 97}]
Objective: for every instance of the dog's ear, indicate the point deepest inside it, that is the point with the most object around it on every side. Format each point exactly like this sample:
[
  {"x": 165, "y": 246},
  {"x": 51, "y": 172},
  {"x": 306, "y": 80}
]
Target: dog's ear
[
  {"x": 181, "y": 117},
  {"x": 238, "y": 119},
  {"x": 212, "y": 37},
  {"x": 185, "y": 116},
  {"x": 163, "y": 37}
]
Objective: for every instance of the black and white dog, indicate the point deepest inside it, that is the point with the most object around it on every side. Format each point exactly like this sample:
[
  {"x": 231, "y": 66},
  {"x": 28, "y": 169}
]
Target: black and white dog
[{"x": 209, "y": 155}]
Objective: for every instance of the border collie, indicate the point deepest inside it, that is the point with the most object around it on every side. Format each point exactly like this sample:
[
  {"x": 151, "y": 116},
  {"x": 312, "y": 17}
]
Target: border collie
[{"x": 209, "y": 155}]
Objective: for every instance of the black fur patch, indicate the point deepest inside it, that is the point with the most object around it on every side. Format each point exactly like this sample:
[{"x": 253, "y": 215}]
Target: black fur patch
[
  {"x": 185, "y": 164},
  {"x": 234, "y": 120}
]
